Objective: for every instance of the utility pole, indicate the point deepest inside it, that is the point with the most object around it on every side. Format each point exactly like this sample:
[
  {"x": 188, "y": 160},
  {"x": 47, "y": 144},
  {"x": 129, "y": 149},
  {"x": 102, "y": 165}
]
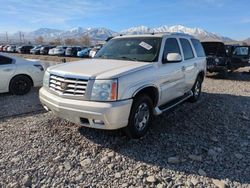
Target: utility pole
[
  {"x": 7, "y": 39},
  {"x": 20, "y": 37},
  {"x": 23, "y": 38}
]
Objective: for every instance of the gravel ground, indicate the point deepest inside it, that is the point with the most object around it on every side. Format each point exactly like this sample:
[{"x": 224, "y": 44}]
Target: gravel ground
[
  {"x": 205, "y": 144},
  {"x": 12, "y": 105}
]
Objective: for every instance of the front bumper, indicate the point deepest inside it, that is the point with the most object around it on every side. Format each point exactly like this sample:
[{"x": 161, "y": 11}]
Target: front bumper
[
  {"x": 216, "y": 68},
  {"x": 114, "y": 115}
]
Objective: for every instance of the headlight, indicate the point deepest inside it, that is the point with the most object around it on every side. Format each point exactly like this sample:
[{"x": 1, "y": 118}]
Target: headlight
[
  {"x": 46, "y": 79},
  {"x": 104, "y": 90}
]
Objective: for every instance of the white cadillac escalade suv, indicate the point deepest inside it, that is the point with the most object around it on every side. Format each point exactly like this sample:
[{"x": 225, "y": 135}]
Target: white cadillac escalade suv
[{"x": 131, "y": 79}]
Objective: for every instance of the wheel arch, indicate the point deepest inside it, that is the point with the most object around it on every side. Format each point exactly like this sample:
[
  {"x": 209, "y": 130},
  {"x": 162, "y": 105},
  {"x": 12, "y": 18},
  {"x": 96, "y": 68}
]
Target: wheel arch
[
  {"x": 151, "y": 91},
  {"x": 201, "y": 74},
  {"x": 25, "y": 75}
]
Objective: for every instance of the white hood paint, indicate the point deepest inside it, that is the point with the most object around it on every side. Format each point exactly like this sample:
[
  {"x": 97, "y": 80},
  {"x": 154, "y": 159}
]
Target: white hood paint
[{"x": 99, "y": 68}]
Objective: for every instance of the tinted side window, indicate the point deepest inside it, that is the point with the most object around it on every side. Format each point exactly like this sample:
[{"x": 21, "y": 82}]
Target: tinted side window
[
  {"x": 5, "y": 60},
  {"x": 171, "y": 46},
  {"x": 187, "y": 49},
  {"x": 241, "y": 51},
  {"x": 198, "y": 48}
]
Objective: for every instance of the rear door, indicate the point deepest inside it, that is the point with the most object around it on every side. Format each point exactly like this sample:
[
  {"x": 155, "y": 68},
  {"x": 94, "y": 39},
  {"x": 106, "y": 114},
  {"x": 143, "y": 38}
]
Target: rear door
[
  {"x": 7, "y": 70},
  {"x": 171, "y": 75},
  {"x": 189, "y": 64}
]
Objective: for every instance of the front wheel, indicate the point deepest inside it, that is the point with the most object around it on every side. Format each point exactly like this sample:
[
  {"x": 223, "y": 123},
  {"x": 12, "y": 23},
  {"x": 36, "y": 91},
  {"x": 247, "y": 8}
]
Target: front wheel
[
  {"x": 196, "y": 90},
  {"x": 140, "y": 117}
]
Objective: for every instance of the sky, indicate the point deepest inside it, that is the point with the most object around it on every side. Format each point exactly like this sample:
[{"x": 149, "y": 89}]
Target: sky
[{"x": 229, "y": 18}]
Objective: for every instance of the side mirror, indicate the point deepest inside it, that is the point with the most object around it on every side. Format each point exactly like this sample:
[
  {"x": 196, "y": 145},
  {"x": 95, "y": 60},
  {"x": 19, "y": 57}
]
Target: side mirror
[{"x": 173, "y": 58}]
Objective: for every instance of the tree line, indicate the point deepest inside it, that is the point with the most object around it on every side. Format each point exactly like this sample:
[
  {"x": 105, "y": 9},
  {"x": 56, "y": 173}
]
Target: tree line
[{"x": 82, "y": 41}]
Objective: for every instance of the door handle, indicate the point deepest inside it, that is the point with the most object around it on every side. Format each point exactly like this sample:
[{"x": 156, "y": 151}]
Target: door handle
[
  {"x": 183, "y": 68},
  {"x": 195, "y": 64}
]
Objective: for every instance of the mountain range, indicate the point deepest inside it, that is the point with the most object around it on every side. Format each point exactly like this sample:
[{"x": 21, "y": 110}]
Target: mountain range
[{"x": 101, "y": 34}]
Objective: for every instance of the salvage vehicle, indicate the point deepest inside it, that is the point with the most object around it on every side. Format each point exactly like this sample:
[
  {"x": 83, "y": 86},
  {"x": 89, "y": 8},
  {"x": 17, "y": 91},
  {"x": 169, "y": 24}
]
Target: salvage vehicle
[
  {"x": 84, "y": 52},
  {"x": 36, "y": 50},
  {"x": 18, "y": 75},
  {"x": 217, "y": 58},
  {"x": 51, "y": 51},
  {"x": 45, "y": 50},
  {"x": 24, "y": 49},
  {"x": 5, "y": 48},
  {"x": 1, "y": 48},
  {"x": 72, "y": 51},
  {"x": 59, "y": 50},
  {"x": 240, "y": 57},
  {"x": 11, "y": 48},
  {"x": 131, "y": 79},
  {"x": 94, "y": 50}
]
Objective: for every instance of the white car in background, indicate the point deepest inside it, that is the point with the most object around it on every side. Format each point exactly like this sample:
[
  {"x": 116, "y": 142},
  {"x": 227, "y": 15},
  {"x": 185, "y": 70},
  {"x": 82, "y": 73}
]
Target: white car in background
[
  {"x": 60, "y": 50},
  {"x": 94, "y": 50},
  {"x": 18, "y": 75},
  {"x": 51, "y": 51}
]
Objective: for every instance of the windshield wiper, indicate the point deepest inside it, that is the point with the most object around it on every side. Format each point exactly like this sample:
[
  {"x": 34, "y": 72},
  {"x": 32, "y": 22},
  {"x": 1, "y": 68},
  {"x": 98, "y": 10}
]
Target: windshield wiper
[{"x": 128, "y": 58}]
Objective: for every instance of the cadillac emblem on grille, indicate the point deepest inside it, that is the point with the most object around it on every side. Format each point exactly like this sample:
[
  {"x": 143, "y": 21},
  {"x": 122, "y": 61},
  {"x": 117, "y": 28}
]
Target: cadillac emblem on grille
[{"x": 63, "y": 85}]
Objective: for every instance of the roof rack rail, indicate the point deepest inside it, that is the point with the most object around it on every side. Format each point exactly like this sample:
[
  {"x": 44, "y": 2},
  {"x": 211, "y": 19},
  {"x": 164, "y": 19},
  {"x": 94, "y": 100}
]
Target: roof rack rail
[{"x": 155, "y": 33}]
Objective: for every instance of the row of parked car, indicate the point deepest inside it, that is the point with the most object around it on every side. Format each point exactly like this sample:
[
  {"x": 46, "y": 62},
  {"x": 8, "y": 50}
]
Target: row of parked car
[{"x": 71, "y": 51}]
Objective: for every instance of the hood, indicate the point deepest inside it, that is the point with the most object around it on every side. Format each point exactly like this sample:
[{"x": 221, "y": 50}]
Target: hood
[
  {"x": 99, "y": 68},
  {"x": 214, "y": 49}
]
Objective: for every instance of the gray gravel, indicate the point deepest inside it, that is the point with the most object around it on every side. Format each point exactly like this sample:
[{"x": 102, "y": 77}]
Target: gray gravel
[
  {"x": 11, "y": 105},
  {"x": 205, "y": 144}
]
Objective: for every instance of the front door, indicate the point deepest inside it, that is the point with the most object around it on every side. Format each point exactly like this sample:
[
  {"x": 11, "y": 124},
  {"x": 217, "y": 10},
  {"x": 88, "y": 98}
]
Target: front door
[
  {"x": 7, "y": 69},
  {"x": 171, "y": 75}
]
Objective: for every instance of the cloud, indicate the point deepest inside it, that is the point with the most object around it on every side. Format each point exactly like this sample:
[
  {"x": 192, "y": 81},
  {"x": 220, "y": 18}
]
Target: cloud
[{"x": 56, "y": 11}]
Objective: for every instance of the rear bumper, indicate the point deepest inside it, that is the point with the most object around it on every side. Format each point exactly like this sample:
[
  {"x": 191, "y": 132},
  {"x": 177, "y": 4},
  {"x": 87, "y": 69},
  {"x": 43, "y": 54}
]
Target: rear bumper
[{"x": 114, "y": 115}]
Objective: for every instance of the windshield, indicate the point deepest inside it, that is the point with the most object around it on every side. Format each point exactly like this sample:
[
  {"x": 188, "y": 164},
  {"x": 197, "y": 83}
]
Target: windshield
[
  {"x": 133, "y": 49},
  {"x": 214, "y": 48}
]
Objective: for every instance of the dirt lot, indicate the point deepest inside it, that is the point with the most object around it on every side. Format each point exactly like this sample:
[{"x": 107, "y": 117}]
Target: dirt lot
[{"x": 205, "y": 144}]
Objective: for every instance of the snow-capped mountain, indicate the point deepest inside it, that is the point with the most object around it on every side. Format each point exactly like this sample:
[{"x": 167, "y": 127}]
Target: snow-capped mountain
[
  {"x": 49, "y": 34},
  {"x": 101, "y": 34},
  {"x": 137, "y": 30},
  {"x": 197, "y": 32}
]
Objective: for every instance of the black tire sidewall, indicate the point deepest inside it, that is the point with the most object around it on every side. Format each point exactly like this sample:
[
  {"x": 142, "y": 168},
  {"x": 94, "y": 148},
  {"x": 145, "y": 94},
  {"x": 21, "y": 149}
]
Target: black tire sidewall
[
  {"x": 195, "y": 98},
  {"x": 15, "y": 90},
  {"x": 131, "y": 130}
]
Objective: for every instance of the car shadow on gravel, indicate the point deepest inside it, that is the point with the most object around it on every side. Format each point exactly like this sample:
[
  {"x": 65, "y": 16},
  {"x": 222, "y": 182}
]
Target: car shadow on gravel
[
  {"x": 13, "y": 105},
  {"x": 217, "y": 129},
  {"x": 237, "y": 76}
]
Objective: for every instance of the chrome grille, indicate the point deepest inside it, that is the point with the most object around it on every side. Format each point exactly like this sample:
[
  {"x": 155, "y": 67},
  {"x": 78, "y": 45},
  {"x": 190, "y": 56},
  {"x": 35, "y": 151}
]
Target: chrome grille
[{"x": 68, "y": 86}]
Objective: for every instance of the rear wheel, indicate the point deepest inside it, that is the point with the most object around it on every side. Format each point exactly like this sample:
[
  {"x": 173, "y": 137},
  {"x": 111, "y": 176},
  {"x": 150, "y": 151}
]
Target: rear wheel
[
  {"x": 140, "y": 117},
  {"x": 20, "y": 85},
  {"x": 196, "y": 90}
]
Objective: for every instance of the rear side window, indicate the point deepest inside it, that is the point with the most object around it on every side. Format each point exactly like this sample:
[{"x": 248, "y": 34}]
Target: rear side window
[
  {"x": 171, "y": 46},
  {"x": 187, "y": 49},
  {"x": 5, "y": 60},
  {"x": 198, "y": 48}
]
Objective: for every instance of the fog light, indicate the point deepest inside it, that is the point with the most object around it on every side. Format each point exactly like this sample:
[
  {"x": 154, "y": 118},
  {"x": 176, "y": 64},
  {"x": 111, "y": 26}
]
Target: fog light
[{"x": 100, "y": 122}]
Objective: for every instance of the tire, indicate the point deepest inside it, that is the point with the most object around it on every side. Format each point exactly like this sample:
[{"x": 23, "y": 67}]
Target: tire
[
  {"x": 20, "y": 85},
  {"x": 138, "y": 126},
  {"x": 196, "y": 90}
]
